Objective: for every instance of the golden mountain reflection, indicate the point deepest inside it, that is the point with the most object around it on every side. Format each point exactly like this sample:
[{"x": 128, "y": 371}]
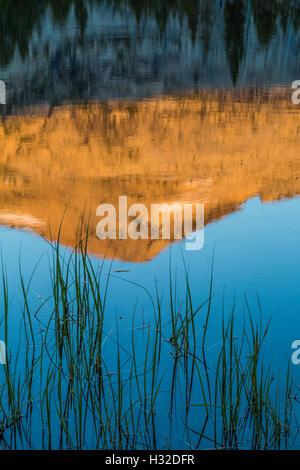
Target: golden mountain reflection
[{"x": 219, "y": 148}]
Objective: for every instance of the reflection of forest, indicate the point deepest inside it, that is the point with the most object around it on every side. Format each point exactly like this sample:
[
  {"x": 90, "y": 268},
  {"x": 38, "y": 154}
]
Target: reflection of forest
[
  {"x": 18, "y": 19},
  {"x": 219, "y": 148}
]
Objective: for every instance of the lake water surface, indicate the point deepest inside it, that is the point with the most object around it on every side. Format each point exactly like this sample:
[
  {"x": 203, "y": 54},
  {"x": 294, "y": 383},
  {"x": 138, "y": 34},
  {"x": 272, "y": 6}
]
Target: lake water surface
[{"x": 164, "y": 102}]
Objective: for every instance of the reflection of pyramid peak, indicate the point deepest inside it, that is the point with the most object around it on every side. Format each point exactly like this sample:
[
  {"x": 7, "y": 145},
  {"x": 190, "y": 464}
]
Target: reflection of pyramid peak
[{"x": 219, "y": 148}]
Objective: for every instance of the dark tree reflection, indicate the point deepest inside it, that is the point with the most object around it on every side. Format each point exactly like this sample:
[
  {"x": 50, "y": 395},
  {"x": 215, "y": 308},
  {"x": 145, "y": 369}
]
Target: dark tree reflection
[
  {"x": 234, "y": 18},
  {"x": 19, "y": 18},
  {"x": 265, "y": 16}
]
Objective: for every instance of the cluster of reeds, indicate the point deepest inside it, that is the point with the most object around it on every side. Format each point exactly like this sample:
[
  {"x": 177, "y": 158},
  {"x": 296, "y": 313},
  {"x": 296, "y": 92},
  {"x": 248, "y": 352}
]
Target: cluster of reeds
[{"x": 72, "y": 384}]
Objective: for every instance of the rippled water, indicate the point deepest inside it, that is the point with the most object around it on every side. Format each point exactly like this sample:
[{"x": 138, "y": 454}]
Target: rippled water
[{"x": 165, "y": 102}]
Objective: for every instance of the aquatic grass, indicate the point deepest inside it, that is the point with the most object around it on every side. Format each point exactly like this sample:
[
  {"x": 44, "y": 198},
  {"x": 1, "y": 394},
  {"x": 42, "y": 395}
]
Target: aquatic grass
[{"x": 72, "y": 383}]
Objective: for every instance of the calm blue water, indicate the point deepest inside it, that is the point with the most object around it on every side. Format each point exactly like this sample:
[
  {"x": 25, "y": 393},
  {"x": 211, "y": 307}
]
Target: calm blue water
[{"x": 257, "y": 252}]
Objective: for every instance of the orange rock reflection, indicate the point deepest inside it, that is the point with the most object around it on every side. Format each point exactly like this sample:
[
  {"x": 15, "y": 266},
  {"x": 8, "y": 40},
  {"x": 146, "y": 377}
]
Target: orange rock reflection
[{"x": 219, "y": 148}]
